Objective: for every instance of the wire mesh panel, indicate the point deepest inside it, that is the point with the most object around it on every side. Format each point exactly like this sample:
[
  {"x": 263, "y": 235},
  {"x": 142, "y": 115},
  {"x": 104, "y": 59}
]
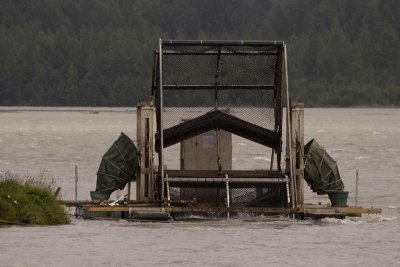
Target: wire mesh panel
[
  {"x": 210, "y": 82},
  {"x": 242, "y": 79},
  {"x": 272, "y": 195},
  {"x": 255, "y": 195},
  {"x": 215, "y": 197}
]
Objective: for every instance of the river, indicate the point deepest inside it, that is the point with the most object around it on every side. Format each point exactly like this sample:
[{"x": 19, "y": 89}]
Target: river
[{"x": 48, "y": 143}]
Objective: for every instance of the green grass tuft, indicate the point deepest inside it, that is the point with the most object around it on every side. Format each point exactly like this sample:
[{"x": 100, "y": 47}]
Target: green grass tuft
[{"x": 29, "y": 201}]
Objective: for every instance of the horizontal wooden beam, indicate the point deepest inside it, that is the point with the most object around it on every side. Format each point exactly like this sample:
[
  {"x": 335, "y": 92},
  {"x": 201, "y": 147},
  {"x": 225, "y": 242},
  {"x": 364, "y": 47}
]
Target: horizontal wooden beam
[
  {"x": 231, "y": 209},
  {"x": 317, "y": 211}
]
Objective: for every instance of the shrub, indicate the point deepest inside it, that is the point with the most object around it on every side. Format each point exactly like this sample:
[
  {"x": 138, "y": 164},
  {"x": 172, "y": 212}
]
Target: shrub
[{"x": 29, "y": 200}]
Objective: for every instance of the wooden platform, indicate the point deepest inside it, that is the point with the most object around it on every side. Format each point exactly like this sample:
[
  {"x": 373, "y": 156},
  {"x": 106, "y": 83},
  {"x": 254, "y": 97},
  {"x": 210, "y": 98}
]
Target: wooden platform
[{"x": 148, "y": 211}]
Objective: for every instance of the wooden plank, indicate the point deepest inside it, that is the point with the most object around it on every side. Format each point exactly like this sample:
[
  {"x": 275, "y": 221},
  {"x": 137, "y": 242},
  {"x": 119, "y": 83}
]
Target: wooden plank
[
  {"x": 107, "y": 209},
  {"x": 317, "y": 211},
  {"x": 371, "y": 210},
  {"x": 231, "y": 209},
  {"x": 200, "y": 152}
]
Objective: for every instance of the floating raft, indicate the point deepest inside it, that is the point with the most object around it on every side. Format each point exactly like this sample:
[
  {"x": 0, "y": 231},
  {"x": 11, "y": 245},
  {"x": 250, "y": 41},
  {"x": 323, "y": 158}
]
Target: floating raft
[{"x": 149, "y": 211}]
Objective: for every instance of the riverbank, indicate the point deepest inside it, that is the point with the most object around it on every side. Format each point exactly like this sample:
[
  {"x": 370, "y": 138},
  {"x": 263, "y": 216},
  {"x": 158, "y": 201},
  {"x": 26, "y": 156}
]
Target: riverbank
[{"x": 29, "y": 201}]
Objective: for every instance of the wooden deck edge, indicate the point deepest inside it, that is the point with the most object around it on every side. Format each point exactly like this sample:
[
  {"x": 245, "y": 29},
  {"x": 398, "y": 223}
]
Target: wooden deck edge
[{"x": 316, "y": 210}]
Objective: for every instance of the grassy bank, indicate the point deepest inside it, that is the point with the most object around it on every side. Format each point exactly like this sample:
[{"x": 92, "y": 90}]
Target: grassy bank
[{"x": 29, "y": 201}]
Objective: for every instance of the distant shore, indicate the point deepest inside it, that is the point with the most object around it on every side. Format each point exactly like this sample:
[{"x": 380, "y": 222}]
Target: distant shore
[
  {"x": 96, "y": 110},
  {"x": 67, "y": 109}
]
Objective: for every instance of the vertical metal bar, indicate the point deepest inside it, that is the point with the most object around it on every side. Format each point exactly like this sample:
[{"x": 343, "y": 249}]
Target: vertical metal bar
[
  {"x": 218, "y": 151},
  {"x": 168, "y": 192},
  {"x": 154, "y": 75},
  {"x": 160, "y": 84},
  {"x": 129, "y": 190},
  {"x": 279, "y": 103},
  {"x": 76, "y": 189},
  {"x": 76, "y": 183},
  {"x": 139, "y": 171},
  {"x": 227, "y": 195},
  {"x": 272, "y": 160},
  {"x": 289, "y": 133},
  {"x": 357, "y": 188},
  {"x": 217, "y": 77},
  {"x": 287, "y": 189}
]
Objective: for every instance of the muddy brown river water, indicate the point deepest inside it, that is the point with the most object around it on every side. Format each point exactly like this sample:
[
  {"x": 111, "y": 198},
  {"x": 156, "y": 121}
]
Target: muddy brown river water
[{"x": 50, "y": 144}]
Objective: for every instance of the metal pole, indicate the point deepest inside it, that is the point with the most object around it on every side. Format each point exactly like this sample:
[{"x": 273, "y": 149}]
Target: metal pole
[
  {"x": 357, "y": 188},
  {"x": 76, "y": 188},
  {"x": 289, "y": 131},
  {"x": 227, "y": 195},
  {"x": 76, "y": 183},
  {"x": 218, "y": 151},
  {"x": 160, "y": 82},
  {"x": 272, "y": 160},
  {"x": 129, "y": 190},
  {"x": 168, "y": 193}
]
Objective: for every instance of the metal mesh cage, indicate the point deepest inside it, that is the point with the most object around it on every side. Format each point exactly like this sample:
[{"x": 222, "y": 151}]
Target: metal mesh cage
[
  {"x": 223, "y": 65},
  {"x": 255, "y": 195},
  {"x": 243, "y": 79},
  {"x": 239, "y": 81}
]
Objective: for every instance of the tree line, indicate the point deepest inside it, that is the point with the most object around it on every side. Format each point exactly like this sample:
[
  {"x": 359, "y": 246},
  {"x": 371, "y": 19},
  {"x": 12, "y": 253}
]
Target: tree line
[{"x": 99, "y": 52}]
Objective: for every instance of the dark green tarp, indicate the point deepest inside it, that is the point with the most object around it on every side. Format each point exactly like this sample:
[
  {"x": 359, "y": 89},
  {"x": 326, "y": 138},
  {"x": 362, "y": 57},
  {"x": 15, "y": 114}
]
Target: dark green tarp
[
  {"x": 118, "y": 167},
  {"x": 321, "y": 171}
]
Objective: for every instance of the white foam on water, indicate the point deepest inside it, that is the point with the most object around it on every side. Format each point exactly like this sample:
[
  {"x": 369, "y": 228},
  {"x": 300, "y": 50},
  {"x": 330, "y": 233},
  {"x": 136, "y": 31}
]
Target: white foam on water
[
  {"x": 369, "y": 218},
  {"x": 360, "y": 157},
  {"x": 321, "y": 131},
  {"x": 392, "y": 207},
  {"x": 58, "y": 138},
  {"x": 346, "y": 221},
  {"x": 378, "y": 218}
]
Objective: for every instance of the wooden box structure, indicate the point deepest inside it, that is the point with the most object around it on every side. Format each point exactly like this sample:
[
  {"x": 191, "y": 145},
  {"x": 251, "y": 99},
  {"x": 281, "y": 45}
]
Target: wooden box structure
[{"x": 205, "y": 151}]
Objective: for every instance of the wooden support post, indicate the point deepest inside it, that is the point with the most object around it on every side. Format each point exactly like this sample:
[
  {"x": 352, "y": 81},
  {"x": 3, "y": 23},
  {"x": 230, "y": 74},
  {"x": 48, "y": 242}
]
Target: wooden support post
[
  {"x": 145, "y": 143},
  {"x": 297, "y": 120}
]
